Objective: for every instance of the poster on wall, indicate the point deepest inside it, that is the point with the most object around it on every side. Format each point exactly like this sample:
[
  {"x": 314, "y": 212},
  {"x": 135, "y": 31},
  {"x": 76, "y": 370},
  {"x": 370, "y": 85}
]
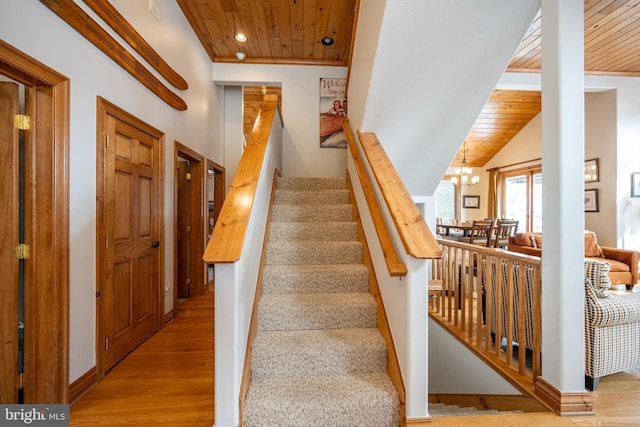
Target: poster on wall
[{"x": 333, "y": 106}]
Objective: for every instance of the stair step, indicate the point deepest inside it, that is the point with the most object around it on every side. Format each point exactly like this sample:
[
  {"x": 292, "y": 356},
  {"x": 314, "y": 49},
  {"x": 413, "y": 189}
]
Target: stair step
[
  {"x": 318, "y": 352},
  {"x": 311, "y": 197},
  {"x": 306, "y": 252},
  {"x": 327, "y": 231},
  {"x": 288, "y": 312},
  {"x": 312, "y": 213},
  {"x": 293, "y": 183},
  {"x": 366, "y": 400},
  {"x": 281, "y": 279}
]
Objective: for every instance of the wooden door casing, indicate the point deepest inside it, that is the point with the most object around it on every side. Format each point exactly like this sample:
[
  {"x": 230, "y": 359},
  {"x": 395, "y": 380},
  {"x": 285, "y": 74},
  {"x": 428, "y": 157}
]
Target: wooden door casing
[
  {"x": 46, "y": 218},
  {"x": 193, "y": 206},
  {"x": 130, "y": 298},
  {"x": 9, "y": 169}
]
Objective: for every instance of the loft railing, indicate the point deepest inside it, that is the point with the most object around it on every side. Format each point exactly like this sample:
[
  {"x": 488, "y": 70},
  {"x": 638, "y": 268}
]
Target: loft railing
[{"x": 491, "y": 301}]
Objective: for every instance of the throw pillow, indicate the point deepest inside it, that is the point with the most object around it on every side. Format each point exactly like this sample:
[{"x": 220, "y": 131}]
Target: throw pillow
[
  {"x": 537, "y": 239},
  {"x": 591, "y": 247},
  {"x": 597, "y": 272},
  {"x": 523, "y": 239}
]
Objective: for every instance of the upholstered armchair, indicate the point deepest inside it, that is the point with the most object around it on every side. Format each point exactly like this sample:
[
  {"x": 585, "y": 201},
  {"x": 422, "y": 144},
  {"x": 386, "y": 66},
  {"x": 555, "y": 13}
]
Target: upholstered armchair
[{"x": 612, "y": 326}]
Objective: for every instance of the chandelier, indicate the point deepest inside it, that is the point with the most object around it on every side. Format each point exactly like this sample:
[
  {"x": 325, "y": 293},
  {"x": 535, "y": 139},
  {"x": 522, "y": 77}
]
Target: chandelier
[{"x": 463, "y": 173}]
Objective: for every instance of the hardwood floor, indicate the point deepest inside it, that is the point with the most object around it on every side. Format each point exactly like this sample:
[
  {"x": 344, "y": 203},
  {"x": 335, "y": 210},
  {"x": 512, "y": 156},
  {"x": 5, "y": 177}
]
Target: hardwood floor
[
  {"x": 168, "y": 380},
  {"x": 615, "y": 403}
]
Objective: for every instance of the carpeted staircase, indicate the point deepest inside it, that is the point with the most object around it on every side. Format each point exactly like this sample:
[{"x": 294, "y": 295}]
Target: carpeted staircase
[{"x": 318, "y": 359}]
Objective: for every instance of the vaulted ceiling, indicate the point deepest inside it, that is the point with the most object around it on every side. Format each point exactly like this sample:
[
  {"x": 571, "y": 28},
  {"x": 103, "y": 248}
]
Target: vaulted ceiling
[{"x": 292, "y": 32}]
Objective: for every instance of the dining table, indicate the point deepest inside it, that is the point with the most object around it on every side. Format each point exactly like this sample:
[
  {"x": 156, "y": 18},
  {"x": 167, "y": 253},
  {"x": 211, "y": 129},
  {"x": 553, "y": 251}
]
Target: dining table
[{"x": 465, "y": 227}]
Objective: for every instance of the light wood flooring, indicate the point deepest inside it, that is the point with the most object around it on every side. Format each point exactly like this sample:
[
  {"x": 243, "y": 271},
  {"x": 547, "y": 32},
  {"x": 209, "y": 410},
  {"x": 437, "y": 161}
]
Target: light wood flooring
[{"x": 169, "y": 381}]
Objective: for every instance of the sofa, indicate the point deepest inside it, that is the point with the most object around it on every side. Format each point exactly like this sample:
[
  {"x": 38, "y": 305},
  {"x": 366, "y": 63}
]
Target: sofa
[
  {"x": 623, "y": 263},
  {"x": 612, "y": 326}
]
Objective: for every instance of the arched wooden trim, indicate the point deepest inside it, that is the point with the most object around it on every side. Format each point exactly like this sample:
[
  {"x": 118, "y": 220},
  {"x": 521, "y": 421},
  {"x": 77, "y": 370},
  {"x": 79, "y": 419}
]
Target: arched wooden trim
[
  {"x": 78, "y": 19},
  {"x": 111, "y": 16}
]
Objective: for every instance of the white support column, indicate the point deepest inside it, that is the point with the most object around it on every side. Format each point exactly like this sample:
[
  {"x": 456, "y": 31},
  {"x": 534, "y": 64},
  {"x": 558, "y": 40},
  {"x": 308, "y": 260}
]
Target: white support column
[{"x": 563, "y": 194}]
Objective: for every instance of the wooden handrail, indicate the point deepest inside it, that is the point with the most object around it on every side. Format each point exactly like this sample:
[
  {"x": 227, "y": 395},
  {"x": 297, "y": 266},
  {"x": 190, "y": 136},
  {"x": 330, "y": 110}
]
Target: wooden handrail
[
  {"x": 394, "y": 266},
  {"x": 227, "y": 239},
  {"x": 416, "y": 237}
]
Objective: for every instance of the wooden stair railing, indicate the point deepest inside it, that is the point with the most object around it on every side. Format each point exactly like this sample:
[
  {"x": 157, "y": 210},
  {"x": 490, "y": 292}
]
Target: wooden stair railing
[
  {"x": 227, "y": 239},
  {"x": 473, "y": 278},
  {"x": 417, "y": 239},
  {"x": 394, "y": 266}
]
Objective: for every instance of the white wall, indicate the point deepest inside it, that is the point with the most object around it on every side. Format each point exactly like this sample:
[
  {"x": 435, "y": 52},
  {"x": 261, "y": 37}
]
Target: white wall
[
  {"x": 34, "y": 29},
  {"x": 422, "y": 99},
  {"x": 302, "y": 155}
]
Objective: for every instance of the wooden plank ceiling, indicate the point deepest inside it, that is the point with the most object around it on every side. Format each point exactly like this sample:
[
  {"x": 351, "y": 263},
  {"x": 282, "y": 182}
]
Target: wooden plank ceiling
[
  {"x": 291, "y": 32},
  {"x": 278, "y": 31}
]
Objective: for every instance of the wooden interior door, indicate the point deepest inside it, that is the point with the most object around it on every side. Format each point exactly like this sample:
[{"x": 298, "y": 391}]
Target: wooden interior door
[
  {"x": 9, "y": 238},
  {"x": 130, "y": 291}
]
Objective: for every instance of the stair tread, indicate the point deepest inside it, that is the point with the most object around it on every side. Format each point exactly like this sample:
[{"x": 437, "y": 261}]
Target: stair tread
[
  {"x": 314, "y": 252},
  {"x": 314, "y": 299},
  {"x": 316, "y": 311},
  {"x": 310, "y": 183},
  {"x": 322, "y": 278},
  {"x": 317, "y": 340},
  {"x": 353, "y": 400},
  {"x": 318, "y": 352},
  {"x": 293, "y": 231},
  {"x": 311, "y": 196}
]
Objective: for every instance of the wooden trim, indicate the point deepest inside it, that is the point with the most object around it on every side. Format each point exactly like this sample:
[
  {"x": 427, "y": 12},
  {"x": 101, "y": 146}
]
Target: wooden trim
[
  {"x": 229, "y": 233},
  {"x": 393, "y": 364},
  {"x": 564, "y": 403},
  {"x": 245, "y": 379},
  {"x": 121, "y": 26},
  {"x": 498, "y": 402},
  {"x": 170, "y": 316},
  {"x": 416, "y": 236},
  {"x": 354, "y": 31},
  {"x": 218, "y": 188},
  {"x": 198, "y": 207},
  {"x": 497, "y": 168},
  {"x": 47, "y": 225},
  {"x": 394, "y": 265},
  {"x": 78, "y": 19},
  {"x": 418, "y": 422},
  {"x": 82, "y": 385}
]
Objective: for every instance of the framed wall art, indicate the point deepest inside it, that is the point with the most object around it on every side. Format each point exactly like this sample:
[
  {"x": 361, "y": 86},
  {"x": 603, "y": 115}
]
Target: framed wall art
[
  {"x": 471, "y": 202},
  {"x": 591, "y": 170},
  {"x": 591, "y": 200},
  {"x": 333, "y": 107}
]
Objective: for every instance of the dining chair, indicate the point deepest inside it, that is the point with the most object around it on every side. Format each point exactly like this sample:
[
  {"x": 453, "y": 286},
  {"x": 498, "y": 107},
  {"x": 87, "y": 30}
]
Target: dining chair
[
  {"x": 481, "y": 232},
  {"x": 504, "y": 229}
]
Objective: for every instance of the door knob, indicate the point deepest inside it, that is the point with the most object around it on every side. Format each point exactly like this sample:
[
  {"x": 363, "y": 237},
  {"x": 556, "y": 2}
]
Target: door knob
[{"x": 155, "y": 244}]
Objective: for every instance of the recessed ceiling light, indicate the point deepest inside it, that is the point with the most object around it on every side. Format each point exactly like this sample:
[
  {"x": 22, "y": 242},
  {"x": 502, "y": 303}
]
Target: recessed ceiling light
[
  {"x": 327, "y": 41},
  {"x": 241, "y": 37},
  {"x": 241, "y": 56}
]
